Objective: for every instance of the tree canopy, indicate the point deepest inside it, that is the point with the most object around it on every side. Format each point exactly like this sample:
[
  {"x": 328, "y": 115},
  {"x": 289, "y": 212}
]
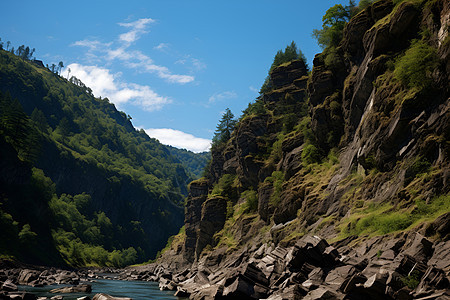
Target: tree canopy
[{"x": 290, "y": 53}]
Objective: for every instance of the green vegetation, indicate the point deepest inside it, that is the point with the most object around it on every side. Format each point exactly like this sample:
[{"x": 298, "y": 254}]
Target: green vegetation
[
  {"x": 414, "y": 68},
  {"x": 194, "y": 163},
  {"x": 420, "y": 166},
  {"x": 385, "y": 218},
  {"x": 251, "y": 200},
  {"x": 224, "y": 129},
  {"x": 57, "y": 137},
  {"x": 277, "y": 180},
  {"x": 333, "y": 25},
  {"x": 289, "y": 54},
  {"x": 226, "y": 187},
  {"x": 255, "y": 108},
  {"x": 412, "y": 280}
]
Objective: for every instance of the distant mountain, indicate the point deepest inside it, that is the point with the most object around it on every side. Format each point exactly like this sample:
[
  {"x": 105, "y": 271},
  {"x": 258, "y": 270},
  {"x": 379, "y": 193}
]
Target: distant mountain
[
  {"x": 76, "y": 177},
  {"x": 194, "y": 163}
]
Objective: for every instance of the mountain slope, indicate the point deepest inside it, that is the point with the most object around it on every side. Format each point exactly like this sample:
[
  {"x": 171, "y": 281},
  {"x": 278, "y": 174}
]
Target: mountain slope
[
  {"x": 365, "y": 167},
  {"x": 133, "y": 188},
  {"x": 194, "y": 163}
]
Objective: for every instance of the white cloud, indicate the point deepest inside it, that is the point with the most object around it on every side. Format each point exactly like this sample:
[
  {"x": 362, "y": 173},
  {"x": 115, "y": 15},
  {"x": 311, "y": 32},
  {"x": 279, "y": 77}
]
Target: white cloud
[
  {"x": 179, "y": 139},
  {"x": 91, "y": 44},
  {"x": 198, "y": 64},
  {"x": 161, "y": 46},
  {"x": 253, "y": 89},
  {"x": 98, "y": 51},
  {"x": 105, "y": 84},
  {"x": 137, "y": 28},
  {"x": 222, "y": 96}
]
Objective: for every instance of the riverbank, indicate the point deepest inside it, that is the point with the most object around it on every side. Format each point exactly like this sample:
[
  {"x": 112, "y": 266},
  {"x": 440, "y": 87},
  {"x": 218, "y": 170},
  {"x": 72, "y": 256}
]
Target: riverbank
[
  {"x": 27, "y": 282},
  {"x": 405, "y": 266}
]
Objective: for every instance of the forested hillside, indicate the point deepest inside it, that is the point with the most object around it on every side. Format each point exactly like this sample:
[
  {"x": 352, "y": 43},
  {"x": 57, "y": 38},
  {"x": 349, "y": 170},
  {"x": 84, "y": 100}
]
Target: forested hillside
[
  {"x": 194, "y": 163},
  {"x": 76, "y": 177}
]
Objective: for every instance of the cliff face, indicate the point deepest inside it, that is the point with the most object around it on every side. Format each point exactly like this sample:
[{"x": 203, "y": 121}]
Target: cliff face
[{"x": 365, "y": 167}]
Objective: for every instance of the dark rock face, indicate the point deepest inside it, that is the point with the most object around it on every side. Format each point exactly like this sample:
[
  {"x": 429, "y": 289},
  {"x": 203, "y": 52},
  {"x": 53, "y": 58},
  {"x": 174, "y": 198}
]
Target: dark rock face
[
  {"x": 198, "y": 192},
  {"x": 286, "y": 74},
  {"x": 377, "y": 128},
  {"x": 213, "y": 217}
]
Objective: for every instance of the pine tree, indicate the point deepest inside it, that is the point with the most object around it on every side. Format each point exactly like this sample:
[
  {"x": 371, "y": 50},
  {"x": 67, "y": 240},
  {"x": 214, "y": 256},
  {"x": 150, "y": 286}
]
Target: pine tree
[{"x": 224, "y": 129}]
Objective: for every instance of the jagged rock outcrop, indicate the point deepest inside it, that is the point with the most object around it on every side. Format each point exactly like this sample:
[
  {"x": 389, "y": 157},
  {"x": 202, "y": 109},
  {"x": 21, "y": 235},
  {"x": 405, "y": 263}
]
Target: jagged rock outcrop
[
  {"x": 384, "y": 164},
  {"x": 198, "y": 192},
  {"x": 380, "y": 268}
]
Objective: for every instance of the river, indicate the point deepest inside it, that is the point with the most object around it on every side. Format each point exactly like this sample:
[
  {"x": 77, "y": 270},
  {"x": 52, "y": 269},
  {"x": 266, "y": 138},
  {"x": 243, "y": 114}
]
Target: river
[{"x": 137, "y": 290}]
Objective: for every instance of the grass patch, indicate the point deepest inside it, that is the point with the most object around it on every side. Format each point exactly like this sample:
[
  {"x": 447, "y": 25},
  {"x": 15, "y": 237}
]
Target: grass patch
[
  {"x": 383, "y": 218},
  {"x": 277, "y": 180},
  {"x": 251, "y": 200}
]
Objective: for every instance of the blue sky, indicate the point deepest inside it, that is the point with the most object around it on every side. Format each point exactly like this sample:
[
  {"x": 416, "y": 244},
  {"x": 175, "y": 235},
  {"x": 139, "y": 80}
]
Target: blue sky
[{"x": 173, "y": 66}]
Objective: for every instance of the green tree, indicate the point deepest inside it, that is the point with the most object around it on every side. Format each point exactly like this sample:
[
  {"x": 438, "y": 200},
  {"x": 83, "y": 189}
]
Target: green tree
[
  {"x": 39, "y": 119},
  {"x": 364, "y": 4},
  {"x": 333, "y": 25},
  {"x": 26, "y": 235},
  {"x": 290, "y": 53},
  {"x": 224, "y": 128},
  {"x": 60, "y": 66}
]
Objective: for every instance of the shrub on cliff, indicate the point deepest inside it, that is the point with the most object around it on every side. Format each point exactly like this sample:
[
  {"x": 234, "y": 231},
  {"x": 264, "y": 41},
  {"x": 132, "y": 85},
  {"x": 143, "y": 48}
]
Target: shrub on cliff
[{"x": 414, "y": 68}]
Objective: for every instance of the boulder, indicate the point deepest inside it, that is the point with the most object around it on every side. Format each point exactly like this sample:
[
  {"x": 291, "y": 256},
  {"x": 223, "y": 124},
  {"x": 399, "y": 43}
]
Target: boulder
[
  {"x": 9, "y": 286},
  {"x": 432, "y": 279},
  {"x": 167, "y": 285},
  {"x": 314, "y": 250},
  {"x": 241, "y": 287},
  {"x": 22, "y": 296},
  {"x": 322, "y": 293},
  {"x": 207, "y": 292},
  {"x": 102, "y": 296},
  {"x": 182, "y": 292},
  {"x": 375, "y": 286},
  {"x": 294, "y": 292},
  {"x": 337, "y": 277},
  {"x": 419, "y": 247},
  {"x": 26, "y": 276},
  {"x": 82, "y": 288}
]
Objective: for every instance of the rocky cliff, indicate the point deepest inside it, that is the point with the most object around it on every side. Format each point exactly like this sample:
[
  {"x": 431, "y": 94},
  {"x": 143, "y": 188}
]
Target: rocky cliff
[{"x": 335, "y": 184}]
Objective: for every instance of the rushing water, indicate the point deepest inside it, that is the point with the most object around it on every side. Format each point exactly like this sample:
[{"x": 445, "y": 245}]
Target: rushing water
[{"x": 137, "y": 290}]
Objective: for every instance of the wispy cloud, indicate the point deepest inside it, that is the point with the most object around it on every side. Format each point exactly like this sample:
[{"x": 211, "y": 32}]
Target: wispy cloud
[
  {"x": 105, "y": 84},
  {"x": 137, "y": 28},
  {"x": 179, "y": 139},
  {"x": 193, "y": 64},
  {"x": 161, "y": 47},
  {"x": 253, "y": 89},
  {"x": 198, "y": 64},
  {"x": 91, "y": 44},
  {"x": 99, "y": 51},
  {"x": 222, "y": 96}
]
